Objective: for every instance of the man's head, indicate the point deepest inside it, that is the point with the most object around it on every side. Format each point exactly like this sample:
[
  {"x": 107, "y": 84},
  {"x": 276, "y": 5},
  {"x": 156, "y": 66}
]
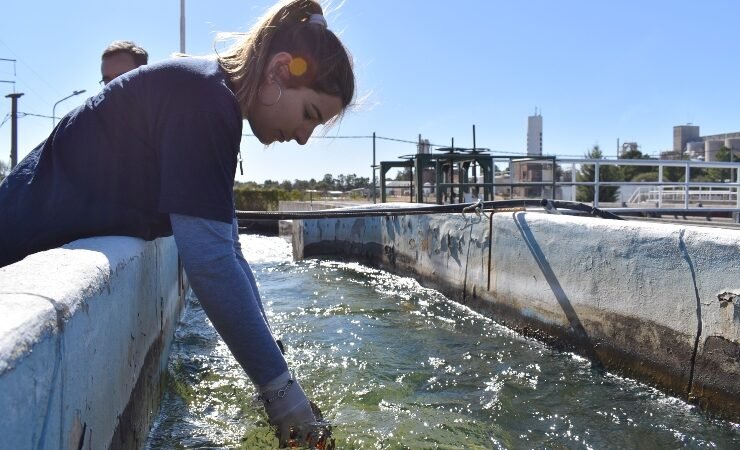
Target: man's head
[{"x": 119, "y": 58}]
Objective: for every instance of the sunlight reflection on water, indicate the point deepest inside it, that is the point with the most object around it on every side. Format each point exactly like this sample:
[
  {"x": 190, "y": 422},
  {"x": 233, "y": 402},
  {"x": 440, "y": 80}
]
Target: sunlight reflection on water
[{"x": 395, "y": 365}]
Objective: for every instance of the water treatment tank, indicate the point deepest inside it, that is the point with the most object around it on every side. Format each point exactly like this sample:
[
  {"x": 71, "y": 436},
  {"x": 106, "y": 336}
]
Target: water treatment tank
[
  {"x": 733, "y": 143},
  {"x": 710, "y": 149},
  {"x": 695, "y": 149}
]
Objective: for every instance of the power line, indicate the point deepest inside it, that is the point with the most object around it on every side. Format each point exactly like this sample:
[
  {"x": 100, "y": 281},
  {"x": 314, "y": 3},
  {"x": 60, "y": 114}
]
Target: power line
[
  {"x": 403, "y": 141},
  {"x": 48, "y": 84},
  {"x": 23, "y": 114}
]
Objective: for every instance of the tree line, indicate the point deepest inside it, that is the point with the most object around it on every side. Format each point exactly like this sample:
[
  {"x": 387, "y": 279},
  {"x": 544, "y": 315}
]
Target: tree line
[
  {"x": 253, "y": 196},
  {"x": 327, "y": 183}
]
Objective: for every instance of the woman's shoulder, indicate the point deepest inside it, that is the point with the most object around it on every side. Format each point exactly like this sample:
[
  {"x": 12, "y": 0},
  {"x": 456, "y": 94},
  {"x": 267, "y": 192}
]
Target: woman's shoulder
[
  {"x": 190, "y": 78},
  {"x": 185, "y": 68}
]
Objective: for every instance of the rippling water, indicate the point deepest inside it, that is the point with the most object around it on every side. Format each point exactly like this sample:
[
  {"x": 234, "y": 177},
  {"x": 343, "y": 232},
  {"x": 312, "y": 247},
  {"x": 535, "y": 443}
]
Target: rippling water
[{"x": 394, "y": 365}]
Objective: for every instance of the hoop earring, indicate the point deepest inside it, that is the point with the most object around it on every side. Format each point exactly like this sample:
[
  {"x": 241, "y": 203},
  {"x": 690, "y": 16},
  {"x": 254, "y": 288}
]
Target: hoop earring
[{"x": 280, "y": 94}]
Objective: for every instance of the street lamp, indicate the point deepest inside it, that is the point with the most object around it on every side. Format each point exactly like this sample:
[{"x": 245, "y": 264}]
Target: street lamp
[
  {"x": 182, "y": 26},
  {"x": 53, "y": 110}
]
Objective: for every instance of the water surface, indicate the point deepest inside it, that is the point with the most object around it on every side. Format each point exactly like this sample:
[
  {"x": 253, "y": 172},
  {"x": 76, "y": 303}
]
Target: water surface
[{"x": 396, "y": 366}]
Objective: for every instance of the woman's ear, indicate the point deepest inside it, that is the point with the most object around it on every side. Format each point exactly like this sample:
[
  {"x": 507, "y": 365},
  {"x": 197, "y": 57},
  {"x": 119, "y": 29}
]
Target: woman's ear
[{"x": 278, "y": 67}]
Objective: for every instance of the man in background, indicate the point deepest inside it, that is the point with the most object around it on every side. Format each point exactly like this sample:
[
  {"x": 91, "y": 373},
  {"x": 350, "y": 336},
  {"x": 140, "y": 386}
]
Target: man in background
[{"x": 119, "y": 58}]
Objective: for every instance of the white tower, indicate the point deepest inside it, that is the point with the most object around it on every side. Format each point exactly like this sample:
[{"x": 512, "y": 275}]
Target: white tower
[{"x": 534, "y": 134}]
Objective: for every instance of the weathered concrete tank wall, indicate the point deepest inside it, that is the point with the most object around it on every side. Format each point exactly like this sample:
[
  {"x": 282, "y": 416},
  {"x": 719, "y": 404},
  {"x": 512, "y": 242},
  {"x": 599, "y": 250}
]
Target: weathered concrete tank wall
[
  {"x": 658, "y": 302},
  {"x": 84, "y": 335}
]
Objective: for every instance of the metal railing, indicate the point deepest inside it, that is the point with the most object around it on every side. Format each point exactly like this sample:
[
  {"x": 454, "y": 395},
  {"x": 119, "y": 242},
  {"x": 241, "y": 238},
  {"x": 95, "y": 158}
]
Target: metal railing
[
  {"x": 661, "y": 191},
  {"x": 647, "y": 194},
  {"x": 560, "y": 181}
]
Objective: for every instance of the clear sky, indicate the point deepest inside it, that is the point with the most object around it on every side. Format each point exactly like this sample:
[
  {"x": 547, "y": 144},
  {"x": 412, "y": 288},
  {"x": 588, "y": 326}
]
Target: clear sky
[{"x": 598, "y": 71}]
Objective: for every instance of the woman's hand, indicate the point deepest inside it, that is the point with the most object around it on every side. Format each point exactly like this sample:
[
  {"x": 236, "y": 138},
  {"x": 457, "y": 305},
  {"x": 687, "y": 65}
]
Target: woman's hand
[{"x": 298, "y": 421}]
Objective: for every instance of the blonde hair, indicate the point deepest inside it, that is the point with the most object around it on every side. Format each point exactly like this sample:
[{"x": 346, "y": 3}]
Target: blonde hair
[{"x": 286, "y": 28}]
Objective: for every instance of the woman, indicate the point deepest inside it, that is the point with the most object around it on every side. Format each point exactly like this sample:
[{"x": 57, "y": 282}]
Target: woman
[{"x": 155, "y": 153}]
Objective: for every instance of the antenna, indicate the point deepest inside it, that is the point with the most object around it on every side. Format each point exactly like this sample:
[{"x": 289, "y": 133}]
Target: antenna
[{"x": 14, "y": 73}]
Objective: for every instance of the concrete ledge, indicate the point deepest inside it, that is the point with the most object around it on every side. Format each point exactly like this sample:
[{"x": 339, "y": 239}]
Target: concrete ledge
[
  {"x": 657, "y": 302},
  {"x": 84, "y": 334}
]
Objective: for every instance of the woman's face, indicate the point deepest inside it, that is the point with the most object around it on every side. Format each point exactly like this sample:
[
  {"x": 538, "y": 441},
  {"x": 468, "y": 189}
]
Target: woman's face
[{"x": 283, "y": 114}]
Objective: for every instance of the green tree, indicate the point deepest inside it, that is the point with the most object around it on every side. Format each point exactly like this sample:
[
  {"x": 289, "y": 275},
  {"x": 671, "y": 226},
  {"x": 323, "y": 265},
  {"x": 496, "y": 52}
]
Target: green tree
[
  {"x": 361, "y": 182},
  {"x": 271, "y": 184},
  {"x": 646, "y": 176},
  {"x": 719, "y": 175},
  {"x": 326, "y": 183},
  {"x": 587, "y": 172},
  {"x": 404, "y": 175},
  {"x": 300, "y": 185},
  {"x": 677, "y": 174},
  {"x": 630, "y": 172}
]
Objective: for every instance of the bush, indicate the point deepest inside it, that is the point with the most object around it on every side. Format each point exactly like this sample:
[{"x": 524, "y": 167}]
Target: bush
[
  {"x": 587, "y": 172},
  {"x": 647, "y": 176}
]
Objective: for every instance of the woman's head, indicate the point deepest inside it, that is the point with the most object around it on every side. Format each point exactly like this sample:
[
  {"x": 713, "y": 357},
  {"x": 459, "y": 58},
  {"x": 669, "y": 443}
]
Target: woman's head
[{"x": 290, "y": 73}]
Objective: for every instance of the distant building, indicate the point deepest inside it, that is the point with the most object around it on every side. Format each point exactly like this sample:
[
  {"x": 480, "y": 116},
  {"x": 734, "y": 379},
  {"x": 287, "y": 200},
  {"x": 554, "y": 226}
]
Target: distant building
[
  {"x": 534, "y": 134},
  {"x": 687, "y": 140},
  {"x": 424, "y": 147},
  {"x": 528, "y": 170},
  {"x": 682, "y": 135}
]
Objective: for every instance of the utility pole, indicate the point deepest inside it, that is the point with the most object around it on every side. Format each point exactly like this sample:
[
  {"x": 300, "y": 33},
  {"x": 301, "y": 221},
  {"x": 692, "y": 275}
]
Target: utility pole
[
  {"x": 14, "y": 117},
  {"x": 14, "y": 127},
  {"x": 182, "y": 26},
  {"x": 374, "y": 167}
]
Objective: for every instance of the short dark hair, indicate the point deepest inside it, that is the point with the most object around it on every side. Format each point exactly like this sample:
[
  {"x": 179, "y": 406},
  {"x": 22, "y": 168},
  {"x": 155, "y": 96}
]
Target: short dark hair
[{"x": 141, "y": 57}]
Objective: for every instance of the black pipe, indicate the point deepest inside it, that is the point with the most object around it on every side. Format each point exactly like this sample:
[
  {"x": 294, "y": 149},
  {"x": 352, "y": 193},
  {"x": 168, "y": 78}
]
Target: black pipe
[{"x": 417, "y": 210}]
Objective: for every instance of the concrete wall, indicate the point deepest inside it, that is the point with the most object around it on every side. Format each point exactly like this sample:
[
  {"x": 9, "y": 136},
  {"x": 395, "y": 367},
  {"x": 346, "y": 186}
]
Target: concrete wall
[
  {"x": 84, "y": 335},
  {"x": 287, "y": 205},
  {"x": 657, "y": 302},
  {"x": 285, "y": 227}
]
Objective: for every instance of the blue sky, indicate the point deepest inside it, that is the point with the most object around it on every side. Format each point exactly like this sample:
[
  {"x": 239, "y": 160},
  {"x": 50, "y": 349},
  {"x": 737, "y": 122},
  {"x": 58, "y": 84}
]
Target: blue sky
[{"x": 598, "y": 71}]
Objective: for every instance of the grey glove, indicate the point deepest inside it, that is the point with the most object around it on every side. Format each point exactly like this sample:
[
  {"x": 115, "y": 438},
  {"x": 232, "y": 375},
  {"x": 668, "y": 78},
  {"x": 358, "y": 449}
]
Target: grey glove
[{"x": 290, "y": 411}]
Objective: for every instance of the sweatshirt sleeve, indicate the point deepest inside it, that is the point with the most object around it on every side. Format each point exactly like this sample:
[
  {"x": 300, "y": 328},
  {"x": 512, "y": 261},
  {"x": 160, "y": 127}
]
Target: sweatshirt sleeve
[{"x": 227, "y": 295}]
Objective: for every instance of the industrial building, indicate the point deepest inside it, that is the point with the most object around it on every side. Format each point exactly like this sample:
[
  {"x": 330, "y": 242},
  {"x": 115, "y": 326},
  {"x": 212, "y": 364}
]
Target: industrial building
[{"x": 687, "y": 140}]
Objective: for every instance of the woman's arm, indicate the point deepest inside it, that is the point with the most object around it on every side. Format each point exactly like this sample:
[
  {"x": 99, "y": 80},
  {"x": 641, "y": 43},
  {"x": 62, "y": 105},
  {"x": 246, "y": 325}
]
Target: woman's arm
[
  {"x": 226, "y": 291},
  {"x": 226, "y": 294},
  {"x": 245, "y": 267}
]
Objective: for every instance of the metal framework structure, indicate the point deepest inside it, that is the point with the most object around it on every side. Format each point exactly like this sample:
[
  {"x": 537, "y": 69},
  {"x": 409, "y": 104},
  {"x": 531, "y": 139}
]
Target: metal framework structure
[
  {"x": 457, "y": 171},
  {"x": 456, "y": 181}
]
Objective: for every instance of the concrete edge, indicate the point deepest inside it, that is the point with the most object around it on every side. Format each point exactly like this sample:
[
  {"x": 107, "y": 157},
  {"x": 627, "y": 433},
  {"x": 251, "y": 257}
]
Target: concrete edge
[{"x": 82, "y": 366}]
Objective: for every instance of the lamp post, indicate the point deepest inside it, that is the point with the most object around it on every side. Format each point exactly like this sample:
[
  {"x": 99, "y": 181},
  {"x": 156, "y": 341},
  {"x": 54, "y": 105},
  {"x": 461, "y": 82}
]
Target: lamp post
[
  {"x": 182, "y": 26},
  {"x": 53, "y": 110}
]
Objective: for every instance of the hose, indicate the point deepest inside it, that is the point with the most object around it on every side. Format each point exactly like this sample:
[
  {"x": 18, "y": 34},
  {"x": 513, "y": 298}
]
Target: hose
[{"x": 549, "y": 205}]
